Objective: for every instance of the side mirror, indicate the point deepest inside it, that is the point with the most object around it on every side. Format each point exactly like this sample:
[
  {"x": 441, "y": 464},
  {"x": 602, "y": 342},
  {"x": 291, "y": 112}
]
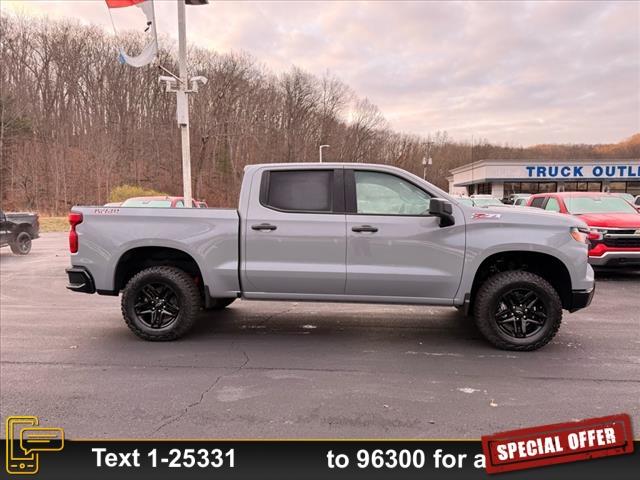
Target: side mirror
[{"x": 439, "y": 207}]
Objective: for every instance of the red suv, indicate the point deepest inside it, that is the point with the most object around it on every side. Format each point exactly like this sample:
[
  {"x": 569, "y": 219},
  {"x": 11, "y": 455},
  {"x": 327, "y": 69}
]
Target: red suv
[{"x": 613, "y": 222}]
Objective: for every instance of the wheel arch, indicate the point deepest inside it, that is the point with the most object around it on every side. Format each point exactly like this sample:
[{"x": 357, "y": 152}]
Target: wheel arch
[
  {"x": 547, "y": 266},
  {"x": 137, "y": 259},
  {"x": 25, "y": 227}
]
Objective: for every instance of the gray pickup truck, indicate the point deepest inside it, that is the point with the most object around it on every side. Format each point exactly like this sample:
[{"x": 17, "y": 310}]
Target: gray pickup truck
[{"x": 340, "y": 232}]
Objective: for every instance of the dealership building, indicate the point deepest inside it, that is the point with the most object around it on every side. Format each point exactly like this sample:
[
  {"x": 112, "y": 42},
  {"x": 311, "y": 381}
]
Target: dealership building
[{"x": 501, "y": 178}]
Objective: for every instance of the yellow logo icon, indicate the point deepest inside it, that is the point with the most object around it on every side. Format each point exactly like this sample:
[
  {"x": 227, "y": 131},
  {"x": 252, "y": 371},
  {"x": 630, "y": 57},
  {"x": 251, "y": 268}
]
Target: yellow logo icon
[{"x": 25, "y": 441}]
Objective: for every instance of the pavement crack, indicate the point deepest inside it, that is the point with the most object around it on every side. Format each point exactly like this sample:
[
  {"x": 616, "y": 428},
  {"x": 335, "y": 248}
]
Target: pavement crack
[{"x": 204, "y": 393}]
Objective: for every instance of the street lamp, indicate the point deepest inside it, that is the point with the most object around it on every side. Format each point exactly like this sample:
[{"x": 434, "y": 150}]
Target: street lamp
[
  {"x": 425, "y": 161},
  {"x": 321, "y": 147}
]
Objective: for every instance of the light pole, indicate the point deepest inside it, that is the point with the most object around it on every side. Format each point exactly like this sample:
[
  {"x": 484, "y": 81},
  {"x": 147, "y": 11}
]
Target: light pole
[
  {"x": 183, "y": 106},
  {"x": 179, "y": 84},
  {"x": 320, "y": 150},
  {"x": 425, "y": 161}
]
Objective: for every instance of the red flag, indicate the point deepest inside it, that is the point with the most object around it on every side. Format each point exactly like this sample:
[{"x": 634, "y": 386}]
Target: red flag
[{"x": 122, "y": 3}]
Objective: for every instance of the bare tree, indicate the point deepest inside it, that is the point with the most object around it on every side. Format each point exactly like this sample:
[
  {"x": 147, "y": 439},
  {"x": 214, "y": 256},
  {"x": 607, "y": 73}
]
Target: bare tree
[{"x": 74, "y": 123}]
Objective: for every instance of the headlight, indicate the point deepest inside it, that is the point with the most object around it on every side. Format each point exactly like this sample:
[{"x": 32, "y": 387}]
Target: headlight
[
  {"x": 579, "y": 234},
  {"x": 596, "y": 234}
]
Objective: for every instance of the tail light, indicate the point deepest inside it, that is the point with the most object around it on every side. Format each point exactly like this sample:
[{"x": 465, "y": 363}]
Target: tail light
[{"x": 75, "y": 219}]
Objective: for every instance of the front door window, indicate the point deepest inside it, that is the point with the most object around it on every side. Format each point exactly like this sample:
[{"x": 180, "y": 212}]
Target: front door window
[{"x": 383, "y": 194}]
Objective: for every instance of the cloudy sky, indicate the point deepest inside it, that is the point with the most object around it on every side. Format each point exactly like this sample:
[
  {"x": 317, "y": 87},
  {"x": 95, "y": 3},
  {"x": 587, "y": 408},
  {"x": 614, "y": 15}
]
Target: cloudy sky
[{"x": 522, "y": 73}]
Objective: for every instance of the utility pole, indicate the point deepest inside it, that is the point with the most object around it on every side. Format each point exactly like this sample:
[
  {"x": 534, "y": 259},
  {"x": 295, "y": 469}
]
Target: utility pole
[
  {"x": 179, "y": 84},
  {"x": 183, "y": 106},
  {"x": 426, "y": 161},
  {"x": 320, "y": 150},
  {"x": 472, "y": 187}
]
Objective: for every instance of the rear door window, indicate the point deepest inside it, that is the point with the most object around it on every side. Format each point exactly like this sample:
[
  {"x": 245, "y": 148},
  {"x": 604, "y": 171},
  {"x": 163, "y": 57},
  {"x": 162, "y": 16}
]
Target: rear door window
[
  {"x": 538, "y": 202},
  {"x": 300, "y": 191}
]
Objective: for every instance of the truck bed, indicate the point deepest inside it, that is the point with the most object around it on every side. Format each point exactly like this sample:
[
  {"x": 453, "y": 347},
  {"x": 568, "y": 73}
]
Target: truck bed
[{"x": 208, "y": 235}]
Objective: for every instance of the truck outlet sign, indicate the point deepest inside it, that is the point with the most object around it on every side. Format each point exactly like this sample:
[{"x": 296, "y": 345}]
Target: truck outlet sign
[{"x": 583, "y": 171}]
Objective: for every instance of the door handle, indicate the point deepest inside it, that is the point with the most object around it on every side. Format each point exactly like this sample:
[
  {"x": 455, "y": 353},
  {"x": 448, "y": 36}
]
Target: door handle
[
  {"x": 263, "y": 226},
  {"x": 365, "y": 228}
]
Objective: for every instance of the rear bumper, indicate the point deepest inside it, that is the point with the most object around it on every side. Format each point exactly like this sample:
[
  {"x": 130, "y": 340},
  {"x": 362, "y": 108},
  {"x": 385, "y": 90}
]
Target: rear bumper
[
  {"x": 616, "y": 258},
  {"x": 581, "y": 298},
  {"x": 80, "y": 280}
]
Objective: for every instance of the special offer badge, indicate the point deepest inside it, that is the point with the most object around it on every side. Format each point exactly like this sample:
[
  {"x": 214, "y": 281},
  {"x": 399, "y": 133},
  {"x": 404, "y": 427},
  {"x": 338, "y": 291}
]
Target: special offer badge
[{"x": 558, "y": 443}]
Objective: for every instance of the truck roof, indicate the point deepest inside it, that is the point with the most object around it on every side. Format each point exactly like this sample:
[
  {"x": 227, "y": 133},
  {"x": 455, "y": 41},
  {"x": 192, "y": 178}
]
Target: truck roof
[
  {"x": 574, "y": 194},
  {"x": 155, "y": 197},
  {"x": 323, "y": 164},
  {"x": 249, "y": 169}
]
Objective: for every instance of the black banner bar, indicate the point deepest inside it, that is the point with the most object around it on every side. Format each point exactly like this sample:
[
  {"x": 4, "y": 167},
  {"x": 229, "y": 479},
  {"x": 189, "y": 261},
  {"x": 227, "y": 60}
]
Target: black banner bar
[{"x": 295, "y": 460}]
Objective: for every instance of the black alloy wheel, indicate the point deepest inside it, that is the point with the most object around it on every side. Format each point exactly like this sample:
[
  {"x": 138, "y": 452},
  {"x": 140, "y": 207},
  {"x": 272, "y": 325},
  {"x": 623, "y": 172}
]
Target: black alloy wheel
[
  {"x": 520, "y": 313},
  {"x": 157, "y": 305},
  {"x": 161, "y": 303},
  {"x": 517, "y": 310}
]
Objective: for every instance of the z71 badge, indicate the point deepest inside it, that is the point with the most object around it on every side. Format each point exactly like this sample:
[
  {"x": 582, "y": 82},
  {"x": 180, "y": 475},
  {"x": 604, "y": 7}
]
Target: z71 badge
[{"x": 486, "y": 216}]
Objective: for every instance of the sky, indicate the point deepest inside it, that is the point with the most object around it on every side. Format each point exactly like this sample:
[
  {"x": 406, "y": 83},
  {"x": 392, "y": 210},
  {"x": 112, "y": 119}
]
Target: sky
[{"x": 522, "y": 73}]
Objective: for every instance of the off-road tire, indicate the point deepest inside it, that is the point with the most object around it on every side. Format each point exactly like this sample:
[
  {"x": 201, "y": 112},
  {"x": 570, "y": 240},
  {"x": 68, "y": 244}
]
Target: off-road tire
[
  {"x": 187, "y": 295},
  {"x": 490, "y": 294},
  {"x": 22, "y": 244},
  {"x": 220, "y": 303}
]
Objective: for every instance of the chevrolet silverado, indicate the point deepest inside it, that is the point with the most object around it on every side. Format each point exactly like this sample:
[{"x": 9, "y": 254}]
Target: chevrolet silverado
[{"x": 336, "y": 232}]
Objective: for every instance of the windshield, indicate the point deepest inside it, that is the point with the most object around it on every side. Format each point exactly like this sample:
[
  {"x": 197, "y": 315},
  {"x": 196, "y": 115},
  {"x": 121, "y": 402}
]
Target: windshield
[
  {"x": 582, "y": 205},
  {"x": 626, "y": 196},
  {"x": 132, "y": 202},
  {"x": 465, "y": 201},
  {"x": 486, "y": 202}
]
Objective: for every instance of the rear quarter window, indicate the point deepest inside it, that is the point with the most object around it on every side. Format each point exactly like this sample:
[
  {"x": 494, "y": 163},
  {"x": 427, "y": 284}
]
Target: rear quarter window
[
  {"x": 552, "y": 205},
  {"x": 538, "y": 202}
]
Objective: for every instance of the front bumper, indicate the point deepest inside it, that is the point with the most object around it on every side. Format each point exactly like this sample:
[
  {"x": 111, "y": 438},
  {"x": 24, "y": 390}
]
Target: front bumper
[
  {"x": 581, "y": 299},
  {"x": 80, "y": 280},
  {"x": 616, "y": 258}
]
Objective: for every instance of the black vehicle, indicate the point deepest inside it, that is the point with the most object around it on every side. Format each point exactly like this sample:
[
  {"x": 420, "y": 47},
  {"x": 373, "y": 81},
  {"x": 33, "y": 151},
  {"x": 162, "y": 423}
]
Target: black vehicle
[{"x": 18, "y": 230}]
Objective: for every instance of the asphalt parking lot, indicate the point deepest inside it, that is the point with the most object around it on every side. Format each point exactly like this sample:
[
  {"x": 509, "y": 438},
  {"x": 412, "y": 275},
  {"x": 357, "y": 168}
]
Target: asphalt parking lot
[{"x": 296, "y": 370}]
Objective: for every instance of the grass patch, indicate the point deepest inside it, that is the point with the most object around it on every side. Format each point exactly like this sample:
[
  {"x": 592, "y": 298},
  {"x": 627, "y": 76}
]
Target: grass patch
[{"x": 54, "y": 224}]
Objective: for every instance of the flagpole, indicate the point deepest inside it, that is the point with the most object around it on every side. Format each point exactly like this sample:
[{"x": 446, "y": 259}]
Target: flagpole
[{"x": 182, "y": 105}]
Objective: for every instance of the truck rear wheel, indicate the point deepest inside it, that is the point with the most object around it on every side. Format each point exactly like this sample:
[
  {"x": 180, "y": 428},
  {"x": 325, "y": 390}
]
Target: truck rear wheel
[
  {"x": 22, "y": 244},
  {"x": 160, "y": 303},
  {"x": 517, "y": 310}
]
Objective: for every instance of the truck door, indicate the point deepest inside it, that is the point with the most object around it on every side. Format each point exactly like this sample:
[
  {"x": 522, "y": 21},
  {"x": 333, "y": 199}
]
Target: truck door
[
  {"x": 394, "y": 248},
  {"x": 295, "y": 233}
]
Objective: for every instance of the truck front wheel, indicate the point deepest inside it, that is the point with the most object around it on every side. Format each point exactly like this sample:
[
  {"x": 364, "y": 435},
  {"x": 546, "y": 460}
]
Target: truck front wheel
[
  {"x": 160, "y": 303},
  {"x": 517, "y": 310}
]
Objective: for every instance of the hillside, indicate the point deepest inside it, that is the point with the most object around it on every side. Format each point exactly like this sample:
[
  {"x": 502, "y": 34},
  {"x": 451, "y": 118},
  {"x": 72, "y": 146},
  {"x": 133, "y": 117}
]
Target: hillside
[{"x": 75, "y": 124}]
